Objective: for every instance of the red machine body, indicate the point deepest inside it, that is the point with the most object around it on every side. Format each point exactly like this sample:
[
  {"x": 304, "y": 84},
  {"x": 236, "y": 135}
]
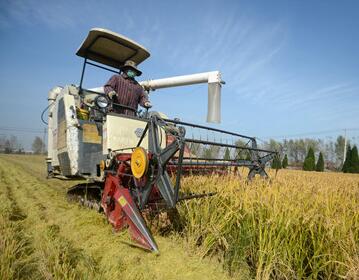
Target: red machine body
[{"x": 119, "y": 205}]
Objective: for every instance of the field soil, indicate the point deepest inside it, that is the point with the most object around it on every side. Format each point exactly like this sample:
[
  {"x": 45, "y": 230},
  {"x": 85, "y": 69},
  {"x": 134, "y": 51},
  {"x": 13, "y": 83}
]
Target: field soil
[{"x": 43, "y": 236}]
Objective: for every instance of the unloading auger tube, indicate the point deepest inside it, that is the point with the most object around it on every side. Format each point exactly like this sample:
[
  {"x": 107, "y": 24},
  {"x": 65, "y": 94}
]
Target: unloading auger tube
[{"x": 139, "y": 182}]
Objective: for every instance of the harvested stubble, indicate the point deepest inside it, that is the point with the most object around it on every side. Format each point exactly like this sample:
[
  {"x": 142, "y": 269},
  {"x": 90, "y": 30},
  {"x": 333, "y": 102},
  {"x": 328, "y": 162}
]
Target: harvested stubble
[
  {"x": 301, "y": 225},
  {"x": 43, "y": 236}
]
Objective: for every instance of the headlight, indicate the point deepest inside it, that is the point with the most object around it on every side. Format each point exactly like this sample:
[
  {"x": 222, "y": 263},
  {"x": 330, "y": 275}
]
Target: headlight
[{"x": 101, "y": 101}]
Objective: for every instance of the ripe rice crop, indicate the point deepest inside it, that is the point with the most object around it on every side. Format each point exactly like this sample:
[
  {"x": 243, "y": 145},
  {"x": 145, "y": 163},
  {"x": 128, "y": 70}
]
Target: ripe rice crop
[{"x": 299, "y": 225}]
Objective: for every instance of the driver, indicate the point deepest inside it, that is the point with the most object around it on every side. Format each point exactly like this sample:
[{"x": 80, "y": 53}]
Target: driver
[{"x": 125, "y": 90}]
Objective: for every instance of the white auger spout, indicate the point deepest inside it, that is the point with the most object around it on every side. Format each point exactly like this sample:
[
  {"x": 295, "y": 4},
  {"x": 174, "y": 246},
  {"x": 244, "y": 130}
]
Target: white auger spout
[{"x": 213, "y": 79}]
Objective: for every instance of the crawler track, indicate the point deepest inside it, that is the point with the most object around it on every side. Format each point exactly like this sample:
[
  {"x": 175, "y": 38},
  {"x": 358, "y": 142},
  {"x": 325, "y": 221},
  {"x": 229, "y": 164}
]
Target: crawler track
[{"x": 86, "y": 194}]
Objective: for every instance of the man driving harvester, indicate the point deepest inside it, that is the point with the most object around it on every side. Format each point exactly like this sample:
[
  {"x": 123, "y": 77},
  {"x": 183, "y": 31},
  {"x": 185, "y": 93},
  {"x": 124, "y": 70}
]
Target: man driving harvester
[{"x": 124, "y": 90}]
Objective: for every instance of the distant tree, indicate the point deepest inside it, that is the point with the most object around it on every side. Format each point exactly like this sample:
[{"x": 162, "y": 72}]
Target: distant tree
[
  {"x": 227, "y": 155},
  {"x": 285, "y": 161},
  {"x": 309, "y": 161},
  {"x": 20, "y": 151},
  {"x": 302, "y": 148},
  {"x": 339, "y": 149},
  {"x": 210, "y": 152},
  {"x": 207, "y": 153},
  {"x": 38, "y": 146},
  {"x": 241, "y": 153},
  {"x": 2, "y": 143},
  {"x": 274, "y": 145},
  {"x": 248, "y": 155},
  {"x": 276, "y": 163},
  {"x": 296, "y": 149},
  {"x": 354, "y": 161},
  {"x": 215, "y": 151},
  {"x": 330, "y": 156},
  {"x": 14, "y": 143},
  {"x": 7, "y": 147},
  {"x": 348, "y": 162},
  {"x": 320, "y": 163},
  {"x": 293, "y": 150},
  {"x": 10, "y": 145},
  {"x": 195, "y": 149}
]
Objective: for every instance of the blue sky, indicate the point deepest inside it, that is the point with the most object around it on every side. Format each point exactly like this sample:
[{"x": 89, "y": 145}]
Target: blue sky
[{"x": 290, "y": 67}]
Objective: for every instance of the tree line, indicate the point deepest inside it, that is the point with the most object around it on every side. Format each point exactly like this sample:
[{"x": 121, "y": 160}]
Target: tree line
[
  {"x": 351, "y": 164},
  {"x": 11, "y": 145},
  {"x": 309, "y": 163},
  {"x": 303, "y": 153}
]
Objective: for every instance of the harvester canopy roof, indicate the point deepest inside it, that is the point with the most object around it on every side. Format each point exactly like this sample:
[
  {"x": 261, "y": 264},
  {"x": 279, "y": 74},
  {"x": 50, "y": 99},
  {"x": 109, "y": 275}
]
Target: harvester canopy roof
[{"x": 111, "y": 49}]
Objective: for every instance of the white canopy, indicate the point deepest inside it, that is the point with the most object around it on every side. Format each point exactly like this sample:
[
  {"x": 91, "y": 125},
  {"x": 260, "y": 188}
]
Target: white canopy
[{"x": 111, "y": 49}]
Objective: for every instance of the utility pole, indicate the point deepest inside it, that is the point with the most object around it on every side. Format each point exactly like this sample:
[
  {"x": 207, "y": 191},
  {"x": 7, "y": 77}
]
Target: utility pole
[{"x": 345, "y": 145}]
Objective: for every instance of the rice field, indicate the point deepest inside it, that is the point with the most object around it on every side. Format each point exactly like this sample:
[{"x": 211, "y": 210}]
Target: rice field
[{"x": 299, "y": 225}]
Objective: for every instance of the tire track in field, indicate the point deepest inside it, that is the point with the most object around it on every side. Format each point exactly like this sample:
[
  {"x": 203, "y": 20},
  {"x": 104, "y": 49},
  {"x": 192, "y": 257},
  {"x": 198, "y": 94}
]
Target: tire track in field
[
  {"x": 50, "y": 205},
  {"x": 20, "y": 184},
  {"x": 17, "y": 250},
  {"x": 91, "y": 232},
  {"x": 32, "y": 168},
  {"x": 51, "y": 247},
  {"x": 58, "y": 207},
  {"x": 49, "y": 201},
  {"x": 16, "y": 214}
]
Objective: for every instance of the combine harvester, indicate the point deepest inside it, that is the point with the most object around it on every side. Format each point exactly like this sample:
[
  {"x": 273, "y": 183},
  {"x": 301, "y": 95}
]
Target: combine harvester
[{"x": 127, "y": 161}]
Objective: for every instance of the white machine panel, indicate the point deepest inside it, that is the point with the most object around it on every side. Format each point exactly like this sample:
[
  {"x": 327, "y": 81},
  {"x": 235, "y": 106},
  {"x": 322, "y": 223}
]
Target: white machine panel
[{"x": 120, "y": 132}]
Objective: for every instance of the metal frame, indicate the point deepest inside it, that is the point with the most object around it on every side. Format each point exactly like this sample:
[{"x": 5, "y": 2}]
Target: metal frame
[
  {"x": 256, "y": 164},
  {"x": 94, "y": 64},
  {"x": 164, "y": 160}
]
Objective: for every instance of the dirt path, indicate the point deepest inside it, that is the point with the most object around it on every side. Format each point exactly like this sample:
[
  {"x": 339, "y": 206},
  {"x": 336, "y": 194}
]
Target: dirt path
[{"x": 59, "y": 240}]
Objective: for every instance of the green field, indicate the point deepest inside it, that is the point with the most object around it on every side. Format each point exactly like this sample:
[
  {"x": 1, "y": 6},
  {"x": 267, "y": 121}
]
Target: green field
[{"x": 301, "y": 225}]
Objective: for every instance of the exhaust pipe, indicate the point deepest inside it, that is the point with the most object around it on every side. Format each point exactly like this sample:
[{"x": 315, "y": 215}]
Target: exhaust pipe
[{"x": 214, "y": 89}]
